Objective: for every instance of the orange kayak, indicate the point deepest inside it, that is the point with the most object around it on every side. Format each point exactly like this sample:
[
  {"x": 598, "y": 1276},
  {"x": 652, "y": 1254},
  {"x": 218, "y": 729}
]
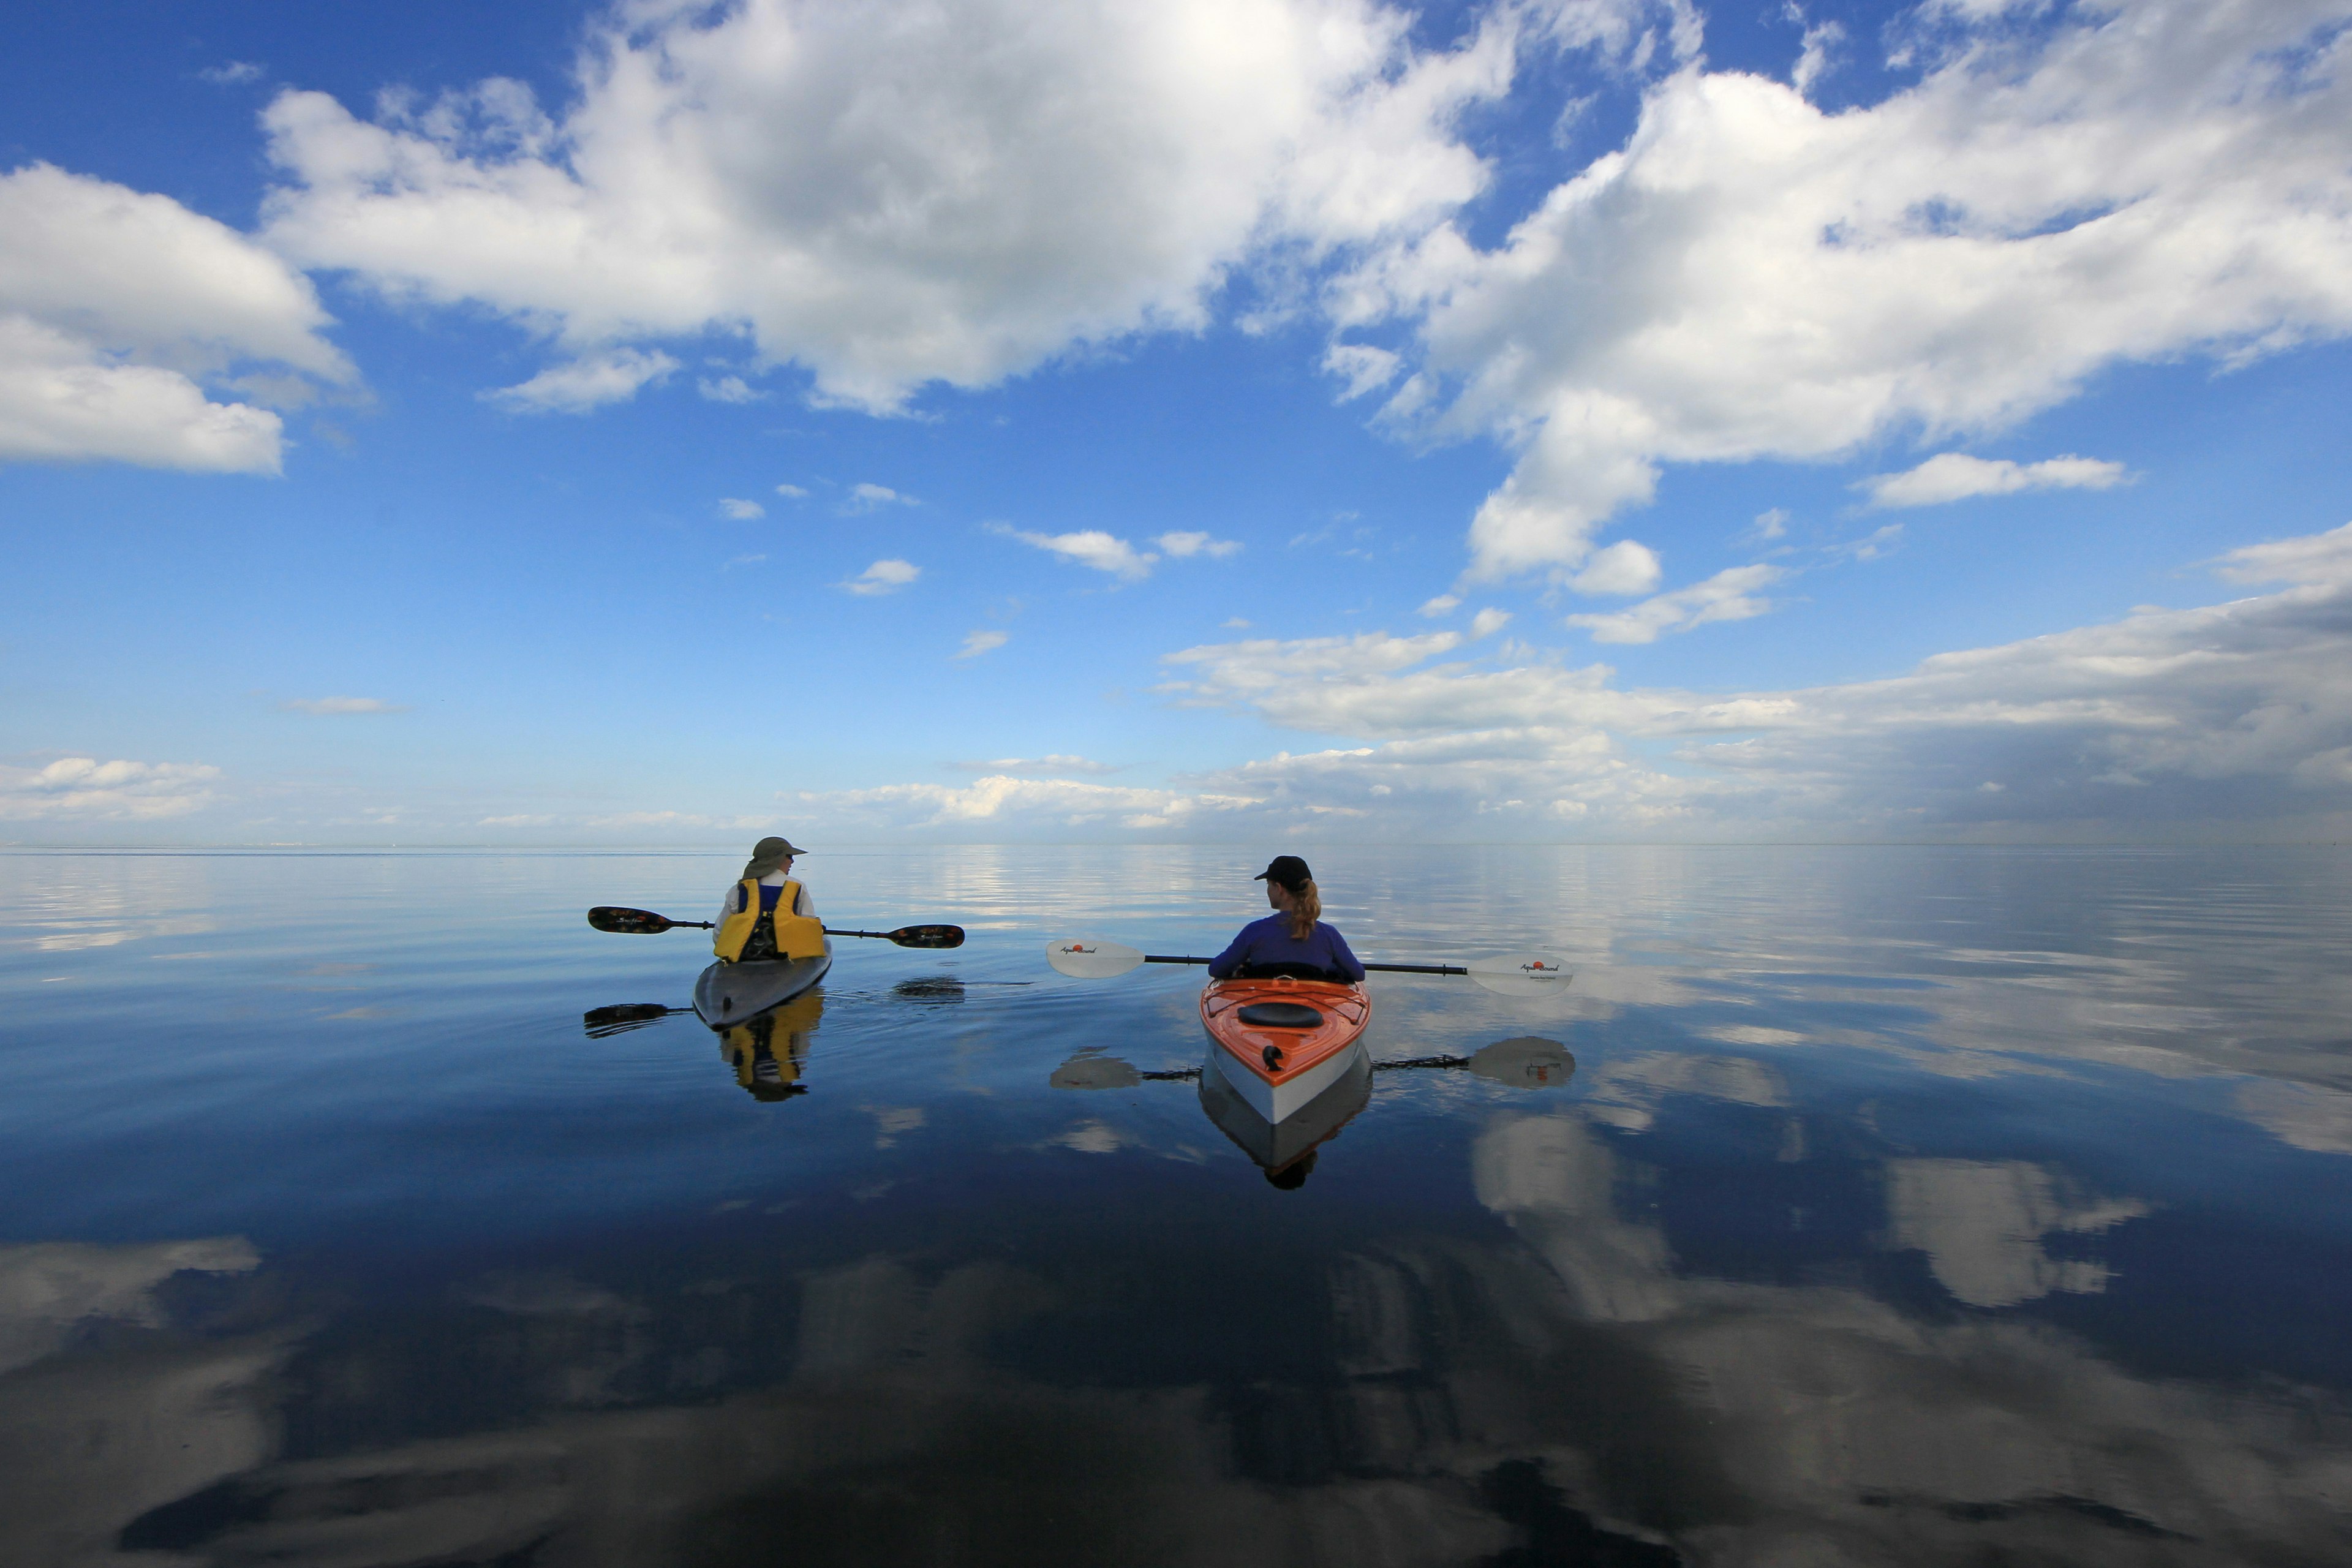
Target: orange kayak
[{"x": 1282, "y": 1042}]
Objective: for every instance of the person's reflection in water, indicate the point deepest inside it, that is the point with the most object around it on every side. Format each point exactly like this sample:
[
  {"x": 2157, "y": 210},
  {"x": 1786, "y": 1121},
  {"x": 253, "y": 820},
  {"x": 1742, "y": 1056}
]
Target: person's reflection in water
[{"x": 767, "y": 1052}]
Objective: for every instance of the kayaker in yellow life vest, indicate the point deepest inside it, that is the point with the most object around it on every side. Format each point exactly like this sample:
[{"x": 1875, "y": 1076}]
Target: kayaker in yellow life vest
[{"x": 767, "y": 913}]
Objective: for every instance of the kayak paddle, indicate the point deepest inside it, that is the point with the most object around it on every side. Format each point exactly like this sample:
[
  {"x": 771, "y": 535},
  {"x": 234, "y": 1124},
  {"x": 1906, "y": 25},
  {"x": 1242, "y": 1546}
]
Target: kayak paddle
[
  {"x": 620, "y": 1018},
  {"x": 1507, "y": 975},
  {"x": 644, "y": 922}
]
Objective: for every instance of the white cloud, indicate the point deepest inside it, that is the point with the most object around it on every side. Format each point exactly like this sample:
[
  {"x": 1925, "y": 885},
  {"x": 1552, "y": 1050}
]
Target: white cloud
[
  {"x": 1955, "y": 476},
  {"x": 234, "y": 73},
  {"x": 2232, "y": 715},
  {"x": 1365, "y": 368},
  {"x": 1870, "y": 547},
  {"x": 117, "y": 308},
  {"x": 585, "y": 384},
  {"x": 1625, "y": 567},
  {"x": 2229, "y": 717},
  {"x": 2316, "y": 558},
  {"x": 866, "y": 498},
  {"x": 1444, "y": 605},
  {"x": 1248, "y": 670},
  {"x": 334, "y": 706},
  {"x": 1091, "y": 547},
  {"x": 1001, "y": 802},
  {"x": 1752, "y": 278},
  {"x": 791, "y": 492},
  {"x": 1725, "y": 596},
  {"x": 87, "y": 788},
  {"x": 1813, "y": 56},
  {"x": 1180, "y": 546},
  {"x": 1487, "y": 622},
  {"x": 978, "y": 643},
  {"x": 884, "y": 577},
  {"x": 1047, "y": 766},
  {"x": 1769, "y": 526},
  {"x": 742, "y": 510},
  {"x": 729, "y": 389},
  {"x": 892, "y": 194}
]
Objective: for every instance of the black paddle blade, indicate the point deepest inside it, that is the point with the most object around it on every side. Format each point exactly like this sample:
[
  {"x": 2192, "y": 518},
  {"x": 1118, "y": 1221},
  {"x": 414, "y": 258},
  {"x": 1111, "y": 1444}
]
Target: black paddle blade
[
  {"x": 628, "y": 922},
  {"x": 929, "y": 936}
]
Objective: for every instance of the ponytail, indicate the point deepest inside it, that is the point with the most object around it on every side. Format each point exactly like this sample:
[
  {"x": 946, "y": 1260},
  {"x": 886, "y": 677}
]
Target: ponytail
[{"x": 1305, "y": 909}]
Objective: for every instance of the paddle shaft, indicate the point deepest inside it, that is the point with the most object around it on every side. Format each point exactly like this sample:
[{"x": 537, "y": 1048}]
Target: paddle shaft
[
  {"x": 1377, "y": 968},
  {"x": 885, "y": 935}
]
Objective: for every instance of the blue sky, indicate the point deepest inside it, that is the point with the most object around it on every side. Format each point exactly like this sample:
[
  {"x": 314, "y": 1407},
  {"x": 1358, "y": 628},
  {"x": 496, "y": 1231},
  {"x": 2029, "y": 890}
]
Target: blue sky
[{"x": 1303, "y": 419}]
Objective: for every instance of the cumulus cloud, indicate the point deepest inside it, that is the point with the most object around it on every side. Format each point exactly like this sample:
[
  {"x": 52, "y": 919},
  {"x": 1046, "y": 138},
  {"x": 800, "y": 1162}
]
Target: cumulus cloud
[
  {"x": 234, "y": 73},
  {"x": 1955, "y": 476},
  {"x": 1047, "y": 766},
  {"x": 2234, "y": 715},
  {"x": 1001, "y": 802},
  {"x": 884, "y": 577},
  {"x": 1092, "y": 547},
  {"x": 866, "y": 498},
  {"x": 1749, "y": 277},
  {"x": 1625, "y": 567},
  {"x": 1443, "y": 605},
  {"x": 84, "y": 787},
  {"x": 895, "y": 193},
  {"x": 978, "y": 643},
  {"x": 740, "y": 510},
  {"x": 585, "y": 384},
  {"x": 1729, "y": 595},
  {"x": 1364, "y": 367},
  {"x": 1180, "y": 546},
  {"x": 2317, "y": 558},
  {"x": 729, "y": 389},
  {"x": 339, "y": 707},
  {"x": 791, "y": 492},
  {"x": 120, "y": 312}
]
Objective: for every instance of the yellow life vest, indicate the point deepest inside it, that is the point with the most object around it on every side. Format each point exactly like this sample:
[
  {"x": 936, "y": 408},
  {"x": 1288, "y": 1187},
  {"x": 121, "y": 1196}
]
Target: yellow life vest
[{"x": 797, "y": 936}]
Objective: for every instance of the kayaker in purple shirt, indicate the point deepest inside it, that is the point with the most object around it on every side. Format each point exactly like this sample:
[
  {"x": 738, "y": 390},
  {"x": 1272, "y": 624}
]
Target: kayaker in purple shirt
[{"x": 1293, "y": 940}]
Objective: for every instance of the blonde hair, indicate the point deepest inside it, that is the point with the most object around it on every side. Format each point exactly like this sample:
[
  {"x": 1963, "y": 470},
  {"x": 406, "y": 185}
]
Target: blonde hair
[{"x": 1305, "y": 909}]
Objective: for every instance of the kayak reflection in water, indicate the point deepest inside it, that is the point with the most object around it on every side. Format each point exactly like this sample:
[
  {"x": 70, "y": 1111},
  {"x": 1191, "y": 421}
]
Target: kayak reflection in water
[
  {"x": 1293, "y": 942},
  {"x": 768, "y": 1052},
  {"x": 767, "y": 913}
]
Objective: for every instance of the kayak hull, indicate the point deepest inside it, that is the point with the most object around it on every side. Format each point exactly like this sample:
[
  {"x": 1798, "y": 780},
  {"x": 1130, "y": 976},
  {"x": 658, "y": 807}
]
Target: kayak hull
[
  {"x": 1276, "y": 1146},
  {"x": 731, "y": 993},
  {"x": 1242, "y": 1018}
]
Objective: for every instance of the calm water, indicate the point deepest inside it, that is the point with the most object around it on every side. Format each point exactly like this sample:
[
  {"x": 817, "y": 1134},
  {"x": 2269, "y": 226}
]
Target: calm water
[{"x": 1903, "y": 1205}]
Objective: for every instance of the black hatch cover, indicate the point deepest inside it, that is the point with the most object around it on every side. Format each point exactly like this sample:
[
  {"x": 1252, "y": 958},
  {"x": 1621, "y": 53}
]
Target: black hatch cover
[{"x": 1281, "y": 1016}]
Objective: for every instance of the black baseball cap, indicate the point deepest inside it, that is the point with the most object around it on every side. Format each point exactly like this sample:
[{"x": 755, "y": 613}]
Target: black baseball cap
[{"x": 1287, "y": 870}]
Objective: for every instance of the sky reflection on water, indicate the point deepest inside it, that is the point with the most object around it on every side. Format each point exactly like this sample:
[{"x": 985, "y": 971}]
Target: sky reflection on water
[{"x": 1883, "y": 1205}]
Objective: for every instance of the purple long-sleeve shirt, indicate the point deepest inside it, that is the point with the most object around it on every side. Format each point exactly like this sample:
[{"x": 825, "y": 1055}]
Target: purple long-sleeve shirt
[{"x": 1269, "y": 941}]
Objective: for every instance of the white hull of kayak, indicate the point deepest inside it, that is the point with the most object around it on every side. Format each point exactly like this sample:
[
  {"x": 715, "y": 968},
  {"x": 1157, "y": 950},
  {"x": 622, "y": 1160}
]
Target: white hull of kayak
[
  {"x": 727, "y": 994},
  {"x": 1280, "y": 1101},
  {"x": 1277, "y": 1144}
]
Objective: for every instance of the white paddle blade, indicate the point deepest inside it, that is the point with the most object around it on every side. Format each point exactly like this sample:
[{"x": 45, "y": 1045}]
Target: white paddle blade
[
  {"x": 1083, "y": 958},
  {"x": 1521, "y": 974}
]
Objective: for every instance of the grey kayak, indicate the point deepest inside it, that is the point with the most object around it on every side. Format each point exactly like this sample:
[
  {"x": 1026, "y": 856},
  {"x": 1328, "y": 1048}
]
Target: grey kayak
[{"x": 731, "y": 993}]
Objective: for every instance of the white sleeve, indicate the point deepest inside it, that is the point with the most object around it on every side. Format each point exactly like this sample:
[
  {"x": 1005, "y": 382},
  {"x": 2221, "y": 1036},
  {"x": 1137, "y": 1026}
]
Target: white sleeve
[
  {"x": 727, "y": 904},
  {"x": 803, "y": 904}
]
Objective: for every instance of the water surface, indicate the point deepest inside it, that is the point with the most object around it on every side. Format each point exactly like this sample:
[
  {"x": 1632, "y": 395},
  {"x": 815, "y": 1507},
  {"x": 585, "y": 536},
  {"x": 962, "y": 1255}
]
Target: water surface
[{"x": 1900, "y": 1204}]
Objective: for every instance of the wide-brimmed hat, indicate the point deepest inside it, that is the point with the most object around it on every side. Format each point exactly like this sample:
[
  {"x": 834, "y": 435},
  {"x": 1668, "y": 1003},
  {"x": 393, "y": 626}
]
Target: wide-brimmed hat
[
  {"x": 769, "y": 854},
  {"x": 1287, "y": 870}
]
